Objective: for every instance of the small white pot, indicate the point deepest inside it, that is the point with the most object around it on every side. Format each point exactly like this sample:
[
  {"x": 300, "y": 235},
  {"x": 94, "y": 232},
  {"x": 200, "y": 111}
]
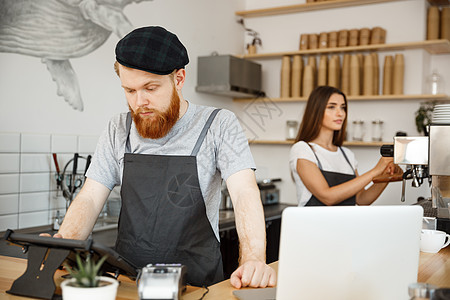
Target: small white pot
[{"x": 105, "y": 292}]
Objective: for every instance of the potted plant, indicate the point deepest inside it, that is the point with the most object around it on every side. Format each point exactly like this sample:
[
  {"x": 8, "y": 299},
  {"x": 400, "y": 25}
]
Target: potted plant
[
  {"x": 86, "y": 284},
  {"x": 424, "y": 116},
  {"x": 256, "y": 40},
  {"x": 251, "y": 47}
]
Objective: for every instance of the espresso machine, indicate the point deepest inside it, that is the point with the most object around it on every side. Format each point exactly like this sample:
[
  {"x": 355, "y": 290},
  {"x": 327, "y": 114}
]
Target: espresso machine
[{"x": 427, "y": 161}]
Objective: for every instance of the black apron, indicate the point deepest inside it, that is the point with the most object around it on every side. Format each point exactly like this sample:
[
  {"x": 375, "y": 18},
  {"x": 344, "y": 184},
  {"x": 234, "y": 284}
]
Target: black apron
[
  {"x": 333, "y": 178},
  {"x": 163, "y": 215}
]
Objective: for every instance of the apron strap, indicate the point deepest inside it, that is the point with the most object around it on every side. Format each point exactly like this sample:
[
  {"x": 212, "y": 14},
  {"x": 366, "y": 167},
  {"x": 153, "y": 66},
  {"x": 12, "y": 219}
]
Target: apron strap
[
  {"x": 346, "y": 158},
  {"x": 204, "y": 132},
  {"x": 127, "y": 130},
  {"x": 318, "y": 161}
]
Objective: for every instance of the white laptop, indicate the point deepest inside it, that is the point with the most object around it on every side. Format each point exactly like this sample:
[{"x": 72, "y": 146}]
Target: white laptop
[{"x": 352, "y": 252}]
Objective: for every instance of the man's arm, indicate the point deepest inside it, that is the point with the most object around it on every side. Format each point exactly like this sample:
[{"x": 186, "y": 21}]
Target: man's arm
[
  {"x": 84, "y": 210},
  {"x": 250, "y": 225}
]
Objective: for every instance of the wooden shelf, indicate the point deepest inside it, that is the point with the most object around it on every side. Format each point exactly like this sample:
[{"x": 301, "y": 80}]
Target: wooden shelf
[
  {"x": 305, "y": 7},
  {"x": 289, "y": 9},
  {"x": 291, "y": 142},
  {"x": 439, "y": 2},
  {"x": 366, "y": 144},
  {"x": 431, "y": 46},
  {"x": 440, "y": 97}
]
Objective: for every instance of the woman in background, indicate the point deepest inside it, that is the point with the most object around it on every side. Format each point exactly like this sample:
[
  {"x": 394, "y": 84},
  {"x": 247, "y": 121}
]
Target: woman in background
[{"x": 325, "y": 173}]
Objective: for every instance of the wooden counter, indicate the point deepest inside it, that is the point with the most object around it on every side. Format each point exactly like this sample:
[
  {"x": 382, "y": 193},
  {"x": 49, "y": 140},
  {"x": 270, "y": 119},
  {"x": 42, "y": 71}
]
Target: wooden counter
[{"x": 433, "y": 269}]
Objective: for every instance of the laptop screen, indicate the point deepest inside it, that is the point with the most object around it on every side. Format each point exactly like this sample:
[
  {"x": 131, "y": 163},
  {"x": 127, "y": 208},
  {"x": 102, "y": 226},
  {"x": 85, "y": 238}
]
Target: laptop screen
[{"x": 353, "y": 252}]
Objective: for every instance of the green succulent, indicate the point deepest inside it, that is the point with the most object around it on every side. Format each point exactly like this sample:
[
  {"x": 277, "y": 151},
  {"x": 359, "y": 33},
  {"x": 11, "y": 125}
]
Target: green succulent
[{"x": 86, "y": 272}]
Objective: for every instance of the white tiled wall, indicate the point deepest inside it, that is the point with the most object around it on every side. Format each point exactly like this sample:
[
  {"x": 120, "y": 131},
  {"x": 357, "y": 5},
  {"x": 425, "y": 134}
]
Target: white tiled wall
[
  {"x": 28, "y": 190},
  {"x": 35, "y": 143},
  {"x": 10, "y": 142},
  {"x": 9, "y": 163},
  {"x": 9, "y": 204},
  {"x": 9, "y": 183}
]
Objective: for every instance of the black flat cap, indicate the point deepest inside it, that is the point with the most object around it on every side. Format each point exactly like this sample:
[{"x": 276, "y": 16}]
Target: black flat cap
[{"x": 152, "y": 49}]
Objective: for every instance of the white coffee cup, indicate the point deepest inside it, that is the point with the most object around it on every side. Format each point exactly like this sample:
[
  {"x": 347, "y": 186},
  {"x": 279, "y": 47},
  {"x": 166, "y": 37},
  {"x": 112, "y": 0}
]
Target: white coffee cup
[{"x": 431, "y": 241}]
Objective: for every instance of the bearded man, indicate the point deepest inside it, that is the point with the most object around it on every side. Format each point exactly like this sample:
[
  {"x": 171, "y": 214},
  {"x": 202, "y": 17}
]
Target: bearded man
[{"x": 170, "y": 156}]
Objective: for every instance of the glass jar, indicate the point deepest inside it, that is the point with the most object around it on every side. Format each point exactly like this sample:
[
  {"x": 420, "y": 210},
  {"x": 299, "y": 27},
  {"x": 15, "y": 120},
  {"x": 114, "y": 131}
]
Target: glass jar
[
  {"x": 435, "y": 84},
  {"x": 420, "y": 291},
  {"x": 291, "y": 130},
  {"x": 377, "y": 130},
  {"x": 358, "y": 130}
]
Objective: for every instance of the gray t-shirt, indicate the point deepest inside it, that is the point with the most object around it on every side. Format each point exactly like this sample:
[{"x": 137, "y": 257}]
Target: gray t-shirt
[{"x": 224, "y": 151}]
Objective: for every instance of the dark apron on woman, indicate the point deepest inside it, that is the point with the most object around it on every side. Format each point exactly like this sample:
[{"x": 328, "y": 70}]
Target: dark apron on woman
[
  {"x": 333, "y": 178},
  {"x": 163, "y": 215}
]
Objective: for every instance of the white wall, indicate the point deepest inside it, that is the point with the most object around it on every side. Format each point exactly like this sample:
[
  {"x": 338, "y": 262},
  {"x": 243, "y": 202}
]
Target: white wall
[
  {"x": 30, "y": 109},
  {"x": 404, "y": 21},
  {"x": 28, "y": 95}
]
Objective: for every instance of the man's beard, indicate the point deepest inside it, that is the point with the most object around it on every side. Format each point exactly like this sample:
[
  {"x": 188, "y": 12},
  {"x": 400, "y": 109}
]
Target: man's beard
[{"x": 159, "y": 123}]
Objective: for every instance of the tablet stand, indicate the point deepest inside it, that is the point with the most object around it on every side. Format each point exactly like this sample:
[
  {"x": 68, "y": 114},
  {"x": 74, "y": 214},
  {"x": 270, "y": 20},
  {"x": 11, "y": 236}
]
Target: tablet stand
[
  {"x": 46, "y": 254},
  {"x": 37, "y": 281}
]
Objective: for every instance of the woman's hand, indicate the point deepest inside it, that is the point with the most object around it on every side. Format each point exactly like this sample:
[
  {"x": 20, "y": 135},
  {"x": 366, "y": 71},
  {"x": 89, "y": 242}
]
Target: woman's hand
[
  {"x": 393, "y": 169},
  {"x": 390, "y": 169},
  {"x": 392, "y": 173},
  {"x": 384, "y": 166}
]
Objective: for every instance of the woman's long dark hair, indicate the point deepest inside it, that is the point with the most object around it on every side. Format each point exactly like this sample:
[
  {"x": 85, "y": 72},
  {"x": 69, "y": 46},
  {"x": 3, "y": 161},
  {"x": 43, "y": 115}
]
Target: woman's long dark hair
[{"x": 313, "y": 116}]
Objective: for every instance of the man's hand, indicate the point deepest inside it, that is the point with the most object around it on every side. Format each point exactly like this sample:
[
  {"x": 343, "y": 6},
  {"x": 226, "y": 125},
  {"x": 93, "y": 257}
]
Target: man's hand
[
  {"x": 255, "y": 274},
  {"x": 250, "y": 226},
  {"x": 56, "y": 235}
]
